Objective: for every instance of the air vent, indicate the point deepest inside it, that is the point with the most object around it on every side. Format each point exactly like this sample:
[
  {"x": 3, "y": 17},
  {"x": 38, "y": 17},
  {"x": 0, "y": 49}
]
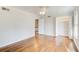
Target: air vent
[
  {"x": 5, "y": 9},
  {"x": 49, "y": 16}
]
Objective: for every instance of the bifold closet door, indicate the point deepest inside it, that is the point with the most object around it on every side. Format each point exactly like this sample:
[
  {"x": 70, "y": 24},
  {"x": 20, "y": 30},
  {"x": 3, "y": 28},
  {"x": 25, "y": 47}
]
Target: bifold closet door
[
  {"x": 59, "y": 31},
  {"x": 62, "y": 28}
]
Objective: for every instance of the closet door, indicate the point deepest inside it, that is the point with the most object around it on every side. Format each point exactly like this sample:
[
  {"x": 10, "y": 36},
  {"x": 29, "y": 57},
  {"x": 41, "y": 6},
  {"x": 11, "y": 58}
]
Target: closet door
[
  {"x": 62, "y": 28},
  {"x": 59, "y": 31}
]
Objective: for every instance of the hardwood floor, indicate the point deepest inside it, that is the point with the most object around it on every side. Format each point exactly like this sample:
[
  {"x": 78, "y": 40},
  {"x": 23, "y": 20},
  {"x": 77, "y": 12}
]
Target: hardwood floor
[{"x": 45, "y": 44}]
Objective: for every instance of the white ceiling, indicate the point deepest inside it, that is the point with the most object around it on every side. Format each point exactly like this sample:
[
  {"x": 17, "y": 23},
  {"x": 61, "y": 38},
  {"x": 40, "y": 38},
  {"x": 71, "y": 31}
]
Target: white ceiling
[
  {"x": 51, "y": 10},
  {"x": 61, "y": 11}
]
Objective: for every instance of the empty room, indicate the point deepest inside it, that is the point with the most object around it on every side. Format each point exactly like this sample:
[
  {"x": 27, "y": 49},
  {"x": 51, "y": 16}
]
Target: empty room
[{"x": 39, "y": 28}]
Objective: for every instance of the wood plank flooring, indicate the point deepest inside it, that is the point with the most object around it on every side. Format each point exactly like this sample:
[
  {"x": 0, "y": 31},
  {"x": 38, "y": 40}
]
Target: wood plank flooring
[{"x": 46, "y": 44}]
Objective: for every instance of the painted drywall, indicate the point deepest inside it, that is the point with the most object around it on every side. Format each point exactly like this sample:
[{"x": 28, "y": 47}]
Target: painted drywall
[
  {"x": 15, "y": 25},
  {"x": 47, "y": 26},
  {"x": 55, "y": 26}
]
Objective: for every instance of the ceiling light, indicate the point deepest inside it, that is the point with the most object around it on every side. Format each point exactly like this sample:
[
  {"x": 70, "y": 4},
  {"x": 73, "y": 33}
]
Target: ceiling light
[
  {"x": 43, "y": 10},
  {"x": 42, "y": 13}
]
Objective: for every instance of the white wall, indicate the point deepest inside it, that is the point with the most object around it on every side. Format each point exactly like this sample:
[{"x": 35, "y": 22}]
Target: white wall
[
  {"x": 15, "y": 25},
  {"x": 50, "y": 26},
  {"x": 58, "y": 26},
  {"x": 47, "y": 26},
  {"x": 41, "y": 26}
]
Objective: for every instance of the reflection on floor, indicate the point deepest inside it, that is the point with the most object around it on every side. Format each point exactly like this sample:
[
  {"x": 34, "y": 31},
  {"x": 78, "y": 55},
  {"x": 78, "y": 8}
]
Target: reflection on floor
[{"x": 45, "y": 44}]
